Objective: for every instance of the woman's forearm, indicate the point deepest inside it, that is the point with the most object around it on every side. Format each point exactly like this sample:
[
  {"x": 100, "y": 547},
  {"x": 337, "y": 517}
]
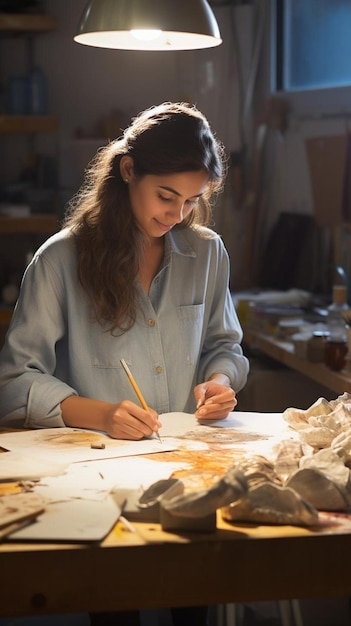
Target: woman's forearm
[
  {"x": 84, "y": 412},
  {"x": 221, "y": 379}
]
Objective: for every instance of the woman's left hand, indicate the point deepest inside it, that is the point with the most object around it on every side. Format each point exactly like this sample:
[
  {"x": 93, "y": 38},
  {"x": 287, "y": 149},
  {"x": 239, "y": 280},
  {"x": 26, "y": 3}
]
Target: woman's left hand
[{"x": 214, "y": 400}]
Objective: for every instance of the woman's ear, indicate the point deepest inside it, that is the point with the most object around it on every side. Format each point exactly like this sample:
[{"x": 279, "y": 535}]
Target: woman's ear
[{"x": 126, "y": 167}]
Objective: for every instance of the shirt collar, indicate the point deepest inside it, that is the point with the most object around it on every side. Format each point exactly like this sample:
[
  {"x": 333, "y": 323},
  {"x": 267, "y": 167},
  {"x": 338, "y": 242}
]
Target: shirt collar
[{"x": 177, "y": 241}]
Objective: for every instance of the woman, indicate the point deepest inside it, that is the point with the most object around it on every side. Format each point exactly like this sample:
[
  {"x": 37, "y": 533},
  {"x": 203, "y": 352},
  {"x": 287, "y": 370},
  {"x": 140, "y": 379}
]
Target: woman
[{"x": 134, "y": 274}]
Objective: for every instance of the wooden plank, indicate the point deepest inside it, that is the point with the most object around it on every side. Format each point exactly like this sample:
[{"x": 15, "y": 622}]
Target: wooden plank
[
  {"x": 232, "y": 565},
  {"x": 28, "y": 124},
  {"x": 284, "y": 353},
  {"x": 36, "y": 223},
  {"x": 26, "y": 23}
]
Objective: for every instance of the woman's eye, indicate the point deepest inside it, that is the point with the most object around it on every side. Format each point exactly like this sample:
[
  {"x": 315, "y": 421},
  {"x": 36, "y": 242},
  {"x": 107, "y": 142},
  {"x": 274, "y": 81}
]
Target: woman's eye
[{"x": 165, "y": 199}]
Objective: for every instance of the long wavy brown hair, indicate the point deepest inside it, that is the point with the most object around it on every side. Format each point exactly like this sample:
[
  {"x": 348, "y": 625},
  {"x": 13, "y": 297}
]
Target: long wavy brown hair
[{"x": 165, "y": 139}]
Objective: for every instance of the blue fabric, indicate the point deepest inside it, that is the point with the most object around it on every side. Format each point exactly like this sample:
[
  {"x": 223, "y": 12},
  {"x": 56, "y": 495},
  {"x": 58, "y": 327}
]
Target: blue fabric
[{"x": 186, "y": 330}]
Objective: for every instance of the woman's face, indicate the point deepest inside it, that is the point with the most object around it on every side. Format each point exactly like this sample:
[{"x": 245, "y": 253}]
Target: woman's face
[{"x": 159, "y": 202}]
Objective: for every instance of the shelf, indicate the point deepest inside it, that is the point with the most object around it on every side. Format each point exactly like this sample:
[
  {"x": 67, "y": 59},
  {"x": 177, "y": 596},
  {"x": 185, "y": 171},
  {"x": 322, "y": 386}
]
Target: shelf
[
  {"x": 283, "y": 352},
  {"x": 28, "y": 123},
  {"x": 39, "y": 223},
  {"x": 15, "y": 26},
  {"x": 12, "y": 23}
]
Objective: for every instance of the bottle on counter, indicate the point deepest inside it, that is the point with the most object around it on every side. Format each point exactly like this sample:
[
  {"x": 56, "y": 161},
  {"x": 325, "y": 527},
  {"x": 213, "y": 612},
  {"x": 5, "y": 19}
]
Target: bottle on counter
[{"x": 337, "y": 343}]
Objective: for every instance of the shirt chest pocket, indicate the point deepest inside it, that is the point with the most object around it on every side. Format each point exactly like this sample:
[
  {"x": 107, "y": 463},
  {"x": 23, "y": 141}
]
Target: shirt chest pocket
[
  {"x": 190, "y": 319},
  {"x": 108, "y": 373}
]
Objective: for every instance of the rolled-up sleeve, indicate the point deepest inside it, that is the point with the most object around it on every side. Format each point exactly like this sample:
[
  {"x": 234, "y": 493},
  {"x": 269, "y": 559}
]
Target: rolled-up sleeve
[
  {"x": 222, "y": 351},
  {"x": 30, "y": 393}
]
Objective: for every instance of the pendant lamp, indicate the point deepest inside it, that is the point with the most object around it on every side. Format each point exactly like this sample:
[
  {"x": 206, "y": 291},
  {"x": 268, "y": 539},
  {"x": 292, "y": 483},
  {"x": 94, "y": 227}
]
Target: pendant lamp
[{"x": 149, "y": 25}]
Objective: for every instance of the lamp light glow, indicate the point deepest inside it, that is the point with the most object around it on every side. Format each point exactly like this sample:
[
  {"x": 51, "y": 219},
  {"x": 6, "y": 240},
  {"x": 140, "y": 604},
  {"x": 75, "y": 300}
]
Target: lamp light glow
[
  {"x": 146, "y": 35},
  {"x": 149, "y": 25}
]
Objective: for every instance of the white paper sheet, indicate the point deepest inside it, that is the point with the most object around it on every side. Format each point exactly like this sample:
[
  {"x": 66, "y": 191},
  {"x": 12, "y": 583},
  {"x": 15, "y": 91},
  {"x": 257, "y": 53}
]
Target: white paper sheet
[
  {"x": 254, "y": 433},
  {"x": 69, "y": 445},
  {"x": 17, "y": 466},
  {"x": 93, "y": 481},
  {"x": 178, "y": 424},
  {"x": 46, "y": 452},
  {"x": 78, "y": 505},
  {"x": 74, "y": 520}
]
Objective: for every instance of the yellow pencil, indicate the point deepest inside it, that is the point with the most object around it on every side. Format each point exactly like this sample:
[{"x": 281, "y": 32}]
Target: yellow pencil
[{"x": 136, "y": 389}]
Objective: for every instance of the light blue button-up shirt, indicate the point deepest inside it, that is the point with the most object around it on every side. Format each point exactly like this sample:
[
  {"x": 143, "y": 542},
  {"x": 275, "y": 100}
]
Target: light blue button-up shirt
[{"x": 186, "y": 330}]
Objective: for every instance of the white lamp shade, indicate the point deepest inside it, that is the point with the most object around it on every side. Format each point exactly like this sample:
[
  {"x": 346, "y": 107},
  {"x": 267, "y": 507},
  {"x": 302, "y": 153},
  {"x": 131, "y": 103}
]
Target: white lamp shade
[{"x": 149, "y": 25}]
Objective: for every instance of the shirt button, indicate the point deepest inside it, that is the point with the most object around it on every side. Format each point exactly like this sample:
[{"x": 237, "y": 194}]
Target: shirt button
[
  {"x": 158, "y": 369},
  {"x": 151, "y": 322}
]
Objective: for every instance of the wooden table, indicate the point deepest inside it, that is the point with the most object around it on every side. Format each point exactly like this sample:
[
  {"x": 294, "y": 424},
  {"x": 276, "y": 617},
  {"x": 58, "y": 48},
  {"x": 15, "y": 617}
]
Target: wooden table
[
  {"x": 154, "y": 569},
  {"x": 151, "y": 569},
  {"x": 283, "y": 352}
]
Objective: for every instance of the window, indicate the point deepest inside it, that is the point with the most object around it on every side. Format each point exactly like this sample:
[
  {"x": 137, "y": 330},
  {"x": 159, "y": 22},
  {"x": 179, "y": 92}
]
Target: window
[{"x": 313, "y": 44}]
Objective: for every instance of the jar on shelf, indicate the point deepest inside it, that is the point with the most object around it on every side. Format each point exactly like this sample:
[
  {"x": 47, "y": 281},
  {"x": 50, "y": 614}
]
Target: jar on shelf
[
  {"x": 336, "y": 347},
  {"x": 316, "y": 346}
]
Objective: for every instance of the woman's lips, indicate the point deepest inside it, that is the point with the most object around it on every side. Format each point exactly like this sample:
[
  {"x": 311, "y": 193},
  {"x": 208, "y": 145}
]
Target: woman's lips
[{"x": 162, "y": 226}]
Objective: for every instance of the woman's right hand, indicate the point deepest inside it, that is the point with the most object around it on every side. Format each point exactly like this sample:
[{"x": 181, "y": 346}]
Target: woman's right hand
[
  {"x": 123, "y": 420},
  {"x": 126, "y": 420}
]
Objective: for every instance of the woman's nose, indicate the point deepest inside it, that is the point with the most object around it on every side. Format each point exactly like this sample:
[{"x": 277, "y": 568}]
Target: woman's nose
[{"x": 178, "y": 212}]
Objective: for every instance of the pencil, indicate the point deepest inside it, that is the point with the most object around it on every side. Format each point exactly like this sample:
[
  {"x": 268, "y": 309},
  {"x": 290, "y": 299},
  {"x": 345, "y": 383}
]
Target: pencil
[
  {"x": 136, "y": 389},
  {"x": 126, "y": 524}
]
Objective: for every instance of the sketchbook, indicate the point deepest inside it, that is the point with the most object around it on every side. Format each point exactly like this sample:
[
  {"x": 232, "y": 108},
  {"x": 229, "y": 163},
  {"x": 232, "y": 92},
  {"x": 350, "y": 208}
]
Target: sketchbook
[{"x": 72, "y": 521}]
